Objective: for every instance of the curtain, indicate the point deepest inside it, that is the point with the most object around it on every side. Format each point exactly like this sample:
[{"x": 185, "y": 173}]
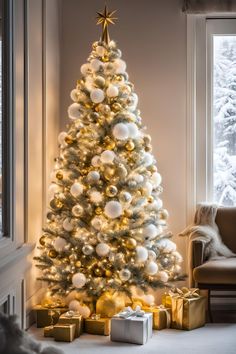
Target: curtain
[{"x": 205, "y": 6}]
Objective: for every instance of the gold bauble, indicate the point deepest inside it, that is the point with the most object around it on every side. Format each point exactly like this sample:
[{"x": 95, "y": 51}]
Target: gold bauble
[
  {"x": 42, "y": 240},
  {"x": 56, "y": 204},
  {"x": 105, "y": 58},
  {"x": 98, "y": 272},
  {"x": 111, "y": 191},
  {"x": 52, "y": 254},
  {"x": 100, "y": 81},
  {"x": 108, "y": 273},
  {"x": 153, "y": 168},
  {"x": 111, "y": 145},
  {"x": 69, "y": 140},
  {"x": 128, "y": 213},
  {"x": 148, "y": 148},
  {"x": 78, "y": 264},
  {"x": 125, "y": 221},
  {"x": 116, "y": 107},
  {"x": 130, "y": 243},
  {"x": 59, "y": 175},
  {"x": 150, "y": 199},
  {"x": 109, "y": 304},
  {"x": 109, "y": 173},
  {"x": 88, "y": 105},
  {"x": 118, "y": 77},
  {"x": 98, "y": 211},
  {"x": 138, "y": 194},
  {"x": 163, "y": 214},
  {"x": 130, "y": 145}
]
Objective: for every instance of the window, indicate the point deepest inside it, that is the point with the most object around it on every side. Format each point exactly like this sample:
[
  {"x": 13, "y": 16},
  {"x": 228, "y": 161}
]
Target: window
[{"x": 211, "y": 110}]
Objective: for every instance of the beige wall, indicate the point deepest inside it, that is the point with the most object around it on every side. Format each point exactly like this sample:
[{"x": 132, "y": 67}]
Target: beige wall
[{"x": 152, "y": 37}]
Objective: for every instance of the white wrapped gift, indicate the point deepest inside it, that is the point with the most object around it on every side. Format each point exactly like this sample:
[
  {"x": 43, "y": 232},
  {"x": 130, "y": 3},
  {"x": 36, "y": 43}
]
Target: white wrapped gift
[{"x": 131, "y": 326}]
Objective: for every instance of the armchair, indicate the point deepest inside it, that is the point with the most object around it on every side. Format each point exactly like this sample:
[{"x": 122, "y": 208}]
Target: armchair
[{"x": 218, "y": 274}]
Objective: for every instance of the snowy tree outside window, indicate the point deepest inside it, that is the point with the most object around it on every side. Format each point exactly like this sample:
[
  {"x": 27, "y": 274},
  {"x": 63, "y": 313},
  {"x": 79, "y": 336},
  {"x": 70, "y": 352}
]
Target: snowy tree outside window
[{"x": 224, "y": 120}]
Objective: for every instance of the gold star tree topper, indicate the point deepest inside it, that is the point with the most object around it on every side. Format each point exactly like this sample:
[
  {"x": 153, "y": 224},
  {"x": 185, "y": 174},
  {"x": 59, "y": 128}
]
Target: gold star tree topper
[{"x": 105, "y": 19}]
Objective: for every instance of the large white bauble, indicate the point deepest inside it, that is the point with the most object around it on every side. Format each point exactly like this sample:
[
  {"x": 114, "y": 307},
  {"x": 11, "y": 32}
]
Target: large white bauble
[
  {"x": 113, "y": 209},
  {"x": 74, "y": 305},
  {"x": 151, "y": 268},
  {"x": 67, "y": 225},
  {"x": 93, "y": 176},
  {"x": 167, "y": 245},
  {"x": 61, "y": 138},
  {"x": 96, "y": 64},
  {"x": 141, "y": 254},
  {"x": 97, "y": 223},
  {"x": 53, "y": 189},
  {"x": 177, "y": 268},
  {"x": 76, "y": 189},
  {"x": 74, "y": 111},
  {"x": 147, "y": 189},
  {"x": 156, "y": 179},
  {"x": 159, "y": 203},
  {"x": 59, "y": 244},
  {"x": 78, "y": 280},
  {"x": 120, "y": 131},
  {"x": 112, "y": 91},
  {"x": 85, "y": 68},
  {"x": 107, "y": 156},
  {"x": 97, "y": 95},
  {"x": 138, "y": 178},
  {"x": 120, "y": 66},
  {"x": 133, "y": 130},
  {"x": 150, "y": 231},
  {"x": 95, "y": 161},
  {"x": 152, "y": 255},
  {"x": 89, "y": 83},
  {"x": 84, "y": 311},
  {"x": 124, "y": 274},
  {"x": 100, "y": 50},
  {"x": 163, "y": 276},
  {"x": 149, "y": 299},
  {"x": 74, "y": 95},
  {"x": 147, "y": 159},
  {"x": 96, "y": 197},
  {"x": 102, "y": 249}
]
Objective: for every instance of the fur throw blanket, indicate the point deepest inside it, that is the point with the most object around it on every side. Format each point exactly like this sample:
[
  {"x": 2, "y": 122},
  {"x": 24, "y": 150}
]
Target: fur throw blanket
[{"x": 15, "y": 341}]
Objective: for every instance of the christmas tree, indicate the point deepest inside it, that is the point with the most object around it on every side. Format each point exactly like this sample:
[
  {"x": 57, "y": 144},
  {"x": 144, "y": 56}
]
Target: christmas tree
[{"x": 106, "y": 229}]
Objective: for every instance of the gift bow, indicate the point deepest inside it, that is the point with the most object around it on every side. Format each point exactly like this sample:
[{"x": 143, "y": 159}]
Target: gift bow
[
  {"x": 185, "y": 293},
  {"x": 129, "y": 312},
  {"x": 71, "y": 314}
]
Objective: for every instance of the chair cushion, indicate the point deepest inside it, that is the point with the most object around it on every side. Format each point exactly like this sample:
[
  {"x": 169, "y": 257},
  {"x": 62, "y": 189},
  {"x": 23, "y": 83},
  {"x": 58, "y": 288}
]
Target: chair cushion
[{"x": 220, "y": 271}]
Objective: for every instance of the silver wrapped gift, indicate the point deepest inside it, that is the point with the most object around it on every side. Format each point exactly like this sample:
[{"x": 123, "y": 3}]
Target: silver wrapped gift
[{"x": 131, "y": 326}]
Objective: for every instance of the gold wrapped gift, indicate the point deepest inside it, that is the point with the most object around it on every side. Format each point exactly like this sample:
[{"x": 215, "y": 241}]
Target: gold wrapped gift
[
  {"x": 71, "y": 317},
  {"x": 188, "y": 309},
  {"x": 166, "y": 300},
  {"x": 64, "y": 332},
  {"x": 161, "y": 316},
  {"x": 110, "y": 303},
  {"x": 48, "y": 331},
  {"x": 47, "y": 316},
  {"x": 98, "y": 325}
]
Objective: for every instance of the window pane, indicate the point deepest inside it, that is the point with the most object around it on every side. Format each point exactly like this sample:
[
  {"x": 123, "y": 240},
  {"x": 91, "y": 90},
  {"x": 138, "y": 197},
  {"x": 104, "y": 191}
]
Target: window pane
[{"x": 224, "y": 119}]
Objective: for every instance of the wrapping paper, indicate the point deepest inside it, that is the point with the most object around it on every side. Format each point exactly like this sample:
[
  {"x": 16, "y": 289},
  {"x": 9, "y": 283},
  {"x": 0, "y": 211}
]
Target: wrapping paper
[
  {"x": 161, "y": 316},
  {"x": 48, "y": 331},
  {"x": 96, "y": 325},
  {"x": 47, "y": 316},
  {"x": 166, "y": 300},
  {"x": 64, "y": 332},
  {"x": 71, "y": 317}
]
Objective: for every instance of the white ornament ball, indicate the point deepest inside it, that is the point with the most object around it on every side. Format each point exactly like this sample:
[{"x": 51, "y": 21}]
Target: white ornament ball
[
  {"x": 74, "y": 305},
  {"x": 74, "y": 111},
  {"x": 134, "y": 102},
  {"x": 102, "y": 249},
  {"x": 95, "y": 161},
  {"x": 96, "y": 64},
  {"x": 67, "y": 225},
  {"x": 125, "y": 197},
  {"x": 78, "y": 280},
  {"x": 163, "y": 276},
  {"x": 151, "y": 268},
  {"x": 77, "y": 210},
  {"x": 133, "y": 130},
  {"x": 59, "y": 244},
  {"x": 87, "y": 250},
  {"x": 76, "y": 189},
  {"x": 138, "y": 178},
  {"x": 97, "y": 95},
  {"x": 149, "y": 299},
  {"x": 96, "y": 197},
  {"x": 107, "y": 156},
  {"x": 85, "y": 68},
  {"x": 120, "y": 131},
  {"x": 150, "y": 231},
  {"x": 84, "y": 311},
  {"x": 112, "y": 91},
  {"x": 159, "y": 203},
  {"x": 100, "y": 50},
  {"x": 120, "y": 66},
  {"x": 177, "y": 269},
  {"x": 97, "y": 223},
  {"x": 156, "y": 179},
  {"x": 141, "y": 254},
  {"x": 167, "y": 245},
  {"x": 152, "y": 255},
  {"x": 74, "y": 95},
  {"x": 93, "y": 176},
  {"x": 147, "y": 189},
  {"x": 178, "y": 257},
  {"x": 61, "y": 138},
  {"x": 124, "y": 274},
  {"x": 52, "y": 190},
  {"x": 113, "y": 209},
  {"x": 147, "y": 159}
]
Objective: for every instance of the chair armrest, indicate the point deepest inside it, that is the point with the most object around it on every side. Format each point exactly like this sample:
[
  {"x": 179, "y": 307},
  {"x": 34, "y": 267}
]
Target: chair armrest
[{"x": 198, "y": 253}]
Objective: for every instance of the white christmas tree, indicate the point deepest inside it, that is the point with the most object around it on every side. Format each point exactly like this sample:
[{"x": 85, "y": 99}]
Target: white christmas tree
[{"x": 106, "y": 229}]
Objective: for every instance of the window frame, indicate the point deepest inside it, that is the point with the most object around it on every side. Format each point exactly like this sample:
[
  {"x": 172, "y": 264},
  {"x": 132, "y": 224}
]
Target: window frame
[{"x": 199, "y": 117}]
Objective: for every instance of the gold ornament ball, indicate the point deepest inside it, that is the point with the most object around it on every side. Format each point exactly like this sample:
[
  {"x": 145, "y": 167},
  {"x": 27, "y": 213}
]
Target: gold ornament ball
[
  {"x": 59, "y": 175},
  {"x": 124, "y": 221},
  {"x": 56, "y": 204},
  {"x": 109, "y": 173},
  {"x": 164, "y": 214},
  {"x": 130, "y": 145},
  {"x": 111, "y": 191},
  {"x": 100, "y": 81},
  {"x": 98, "y": 211},
  {"x": 42, "y": 240},
  {"x": 69, "y": 140},
  {"x": 116, "y": 107},
  {"x": 108, "y": 273},
  {"x": 130, "y": 243},
  {"x": 52, "y": 254},
  {"x": 105, "y": 58},
  {"x": 98, "y": 272},
  {"x": 118, "y": 77},
  {"x": 78, "y": 264},
  {"x": 128, "y": 213},
  {"x": 150, "y": 199},
  {"x": 153, "y": 168},
  {"x": 111, "y": 145}
]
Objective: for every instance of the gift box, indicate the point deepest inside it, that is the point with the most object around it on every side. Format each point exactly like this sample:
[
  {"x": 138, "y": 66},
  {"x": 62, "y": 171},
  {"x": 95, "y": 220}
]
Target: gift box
[
  {"x": 110, "y": 303},
  {"x": 166, "y": 300},
  {"x": 131, "y": 326},
  {"x": 48, "y": 331},
  {"x": 97, "y": 325},
  {"x": 71, "y": 317},
  {"x": 161, "y": 316},
  {"x": 64, "y": 332},
  {"x": 47, "y": 316},
  {"x": 188, "y": 309}
]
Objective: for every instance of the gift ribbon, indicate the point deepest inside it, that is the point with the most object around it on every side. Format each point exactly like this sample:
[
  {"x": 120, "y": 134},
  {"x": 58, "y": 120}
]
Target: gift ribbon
[
  {"x": 71, "y": 314},
  {"x": 129, "y": 312},
  {"x": 185, "y": 293},
  {"x": 167, "y": 313}
]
